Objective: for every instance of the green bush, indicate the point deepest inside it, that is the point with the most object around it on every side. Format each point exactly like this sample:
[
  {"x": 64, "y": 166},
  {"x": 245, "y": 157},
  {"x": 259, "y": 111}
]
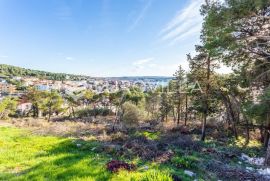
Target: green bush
[
  {"x": 149, "y": 175},
  {"x": 131, "y": 115},
  {"x": 7, "y": 107},
  {"x": 93, "y": 112},
  {"x": 184, "y": 161}
]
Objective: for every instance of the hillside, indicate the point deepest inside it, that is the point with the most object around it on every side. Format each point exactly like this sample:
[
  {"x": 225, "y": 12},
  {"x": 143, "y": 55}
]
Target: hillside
[{"x": 9, "y": 70}]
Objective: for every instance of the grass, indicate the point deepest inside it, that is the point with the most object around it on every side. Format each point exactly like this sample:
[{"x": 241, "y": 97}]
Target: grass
[
  {"x": 24, "y": 156},
  {"x": 27, "y": 157},
  {"x": 149, "y": 135}
]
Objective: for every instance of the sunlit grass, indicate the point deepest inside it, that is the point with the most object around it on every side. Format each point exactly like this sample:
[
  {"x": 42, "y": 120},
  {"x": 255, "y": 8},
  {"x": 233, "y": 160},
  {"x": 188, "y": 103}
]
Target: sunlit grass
[
  {"x": 149, "y": 135},
  {"x": 27, "y": 157},
  {"x": 24, "y": 156},
  {"x": 241, "y": 142},
  {"x": 150, "y": 175}
]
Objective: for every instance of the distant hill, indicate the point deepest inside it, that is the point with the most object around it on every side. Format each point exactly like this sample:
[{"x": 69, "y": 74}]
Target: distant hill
[
  {"x": 142, "y": 78},
  {"x": 9, "y": 70}
]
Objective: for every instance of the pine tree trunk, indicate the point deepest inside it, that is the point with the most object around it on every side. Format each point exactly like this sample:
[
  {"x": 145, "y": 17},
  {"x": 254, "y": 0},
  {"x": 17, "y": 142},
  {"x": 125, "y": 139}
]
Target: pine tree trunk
[
  {"x": 174, "y": 116},
  {"x": 206, "y": 100},
  {"x": 204, "y": 127},
  {"x": 267, "y": 158},
  {"x": 178, "y": 112},
  {"x": 50, "y": 112},
  {"x": 186, "y": 113},
  {"x": 233, "y": 118},
  {"x": 266, "y": 132},
  {"x": 247, "y": 130}
]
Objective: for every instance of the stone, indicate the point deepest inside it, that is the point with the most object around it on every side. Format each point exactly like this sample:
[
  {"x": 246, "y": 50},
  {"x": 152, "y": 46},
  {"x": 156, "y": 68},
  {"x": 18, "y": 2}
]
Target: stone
[{"x": 190, "y": 173}]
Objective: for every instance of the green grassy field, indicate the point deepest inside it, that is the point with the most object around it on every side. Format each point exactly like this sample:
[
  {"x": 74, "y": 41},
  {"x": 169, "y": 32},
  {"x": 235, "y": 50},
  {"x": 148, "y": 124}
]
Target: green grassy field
[{"x": 24, "y": 156}]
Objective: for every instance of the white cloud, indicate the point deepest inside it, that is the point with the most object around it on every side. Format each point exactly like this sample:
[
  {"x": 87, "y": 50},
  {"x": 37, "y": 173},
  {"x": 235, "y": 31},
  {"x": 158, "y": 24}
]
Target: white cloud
[
  {"x": 69, "y": 58},
  {"x": 142, "y": 61},
  {"x": 195, "y": 30},
  {"x": 140, "y": 15},
  {"x": 148, "y": 67},
  {"x": 187, "y": 23}
]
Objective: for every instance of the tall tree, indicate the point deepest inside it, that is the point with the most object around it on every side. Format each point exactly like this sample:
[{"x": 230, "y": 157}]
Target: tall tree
[
  {"x": 201, "y": 71},
  {"x": 37, "y": 99},
  {"x": 179, "y": 78},
  {"x": 53, "y": 103},
  {"x": 165, "y": 106}
]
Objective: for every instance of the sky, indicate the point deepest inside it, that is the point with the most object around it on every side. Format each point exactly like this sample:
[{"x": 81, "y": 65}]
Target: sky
[{"x": 99, "y": 37}]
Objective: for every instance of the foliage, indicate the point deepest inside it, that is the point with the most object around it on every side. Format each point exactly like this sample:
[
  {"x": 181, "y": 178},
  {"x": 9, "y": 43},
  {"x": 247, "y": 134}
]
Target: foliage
[
  {"x": 88, "y": 97},
  {"x": 135, "y": 95},
  {"x": 153, "y": 176},
  {"x": 236, "y": 32},
  {"x": 131, "y": 115},
  {"x": 7, "y": 107},
  {"x": 37, "y": 98},
  {"x": 53, "y": 103},
  {"x": 87, "y": 112},
  {"x": 184, "y": 161},
  {"x": 46, "y": 102},
  {"x": 152, "y": 103},
  {"x": 165, "y": 106},
  {"x": 151, "y": 135}
]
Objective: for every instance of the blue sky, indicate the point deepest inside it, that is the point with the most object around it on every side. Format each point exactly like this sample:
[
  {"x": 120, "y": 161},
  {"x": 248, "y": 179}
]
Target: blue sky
[{"x": 99, "y": 37}]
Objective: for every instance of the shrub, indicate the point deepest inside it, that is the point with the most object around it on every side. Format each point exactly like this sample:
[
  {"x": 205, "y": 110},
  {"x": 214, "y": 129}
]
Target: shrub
[
  {"x": 119, "y": 136},
  {"x": 153, "y": 176},
  {"x": 184, "y": 162},
  {"x": 93, "y": 112},
  {"x": 7, "y": 107},
  {"x": 131, "y": 115},
  {"x": 150, "y": 175}
]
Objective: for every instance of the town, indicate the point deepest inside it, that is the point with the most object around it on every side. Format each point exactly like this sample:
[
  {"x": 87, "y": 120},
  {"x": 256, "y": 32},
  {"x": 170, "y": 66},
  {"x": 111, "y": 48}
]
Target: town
[{"x": 17, "y": 87}]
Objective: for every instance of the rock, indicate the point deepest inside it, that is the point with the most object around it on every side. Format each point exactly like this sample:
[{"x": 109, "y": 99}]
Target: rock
[
  {"x": 253, "y": 161},
  {"x": 145, "y": 168},
  {"x": 249, "y": 169},
  {"x": 258, "y": 161},
  {"x": 265, "y": 171},
  {"x": 189, "y": 173}
]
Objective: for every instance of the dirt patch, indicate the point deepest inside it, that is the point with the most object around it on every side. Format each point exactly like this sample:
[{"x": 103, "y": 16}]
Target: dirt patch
[
  {"x": 115, "y": 166},
  {"x": 5, "y": 124}
]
